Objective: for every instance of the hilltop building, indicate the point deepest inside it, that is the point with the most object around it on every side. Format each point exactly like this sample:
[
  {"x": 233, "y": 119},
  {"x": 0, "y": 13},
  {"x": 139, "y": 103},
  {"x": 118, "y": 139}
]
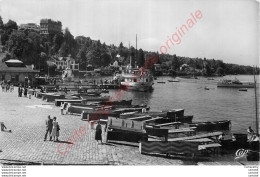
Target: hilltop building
[
  {"x": 48, "y": 26},
  {"x": 29, "y": 26}
]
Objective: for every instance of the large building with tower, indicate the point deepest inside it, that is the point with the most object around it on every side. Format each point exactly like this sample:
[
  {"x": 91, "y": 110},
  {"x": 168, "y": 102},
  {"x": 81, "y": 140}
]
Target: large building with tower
[{"x": 49, "y": 26}]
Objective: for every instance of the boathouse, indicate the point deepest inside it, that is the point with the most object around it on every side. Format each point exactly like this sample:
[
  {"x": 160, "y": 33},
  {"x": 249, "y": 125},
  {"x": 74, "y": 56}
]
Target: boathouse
[{"x": 16, "y": 71}]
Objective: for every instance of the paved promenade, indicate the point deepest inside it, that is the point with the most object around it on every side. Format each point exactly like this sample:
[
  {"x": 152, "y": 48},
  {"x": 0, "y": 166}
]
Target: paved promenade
[{"x": 26, "y": 118}]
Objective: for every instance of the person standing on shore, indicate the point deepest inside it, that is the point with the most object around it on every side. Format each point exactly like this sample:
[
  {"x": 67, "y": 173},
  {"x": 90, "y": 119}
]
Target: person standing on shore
[
  {"x": 55, "y": 130},
  {"x": 25, "y": 91},
  {"x": 20, "y": 91},
  {"x": 11, "y": 88},
  {"x": 49, "y": 126},
  {"x": 250, "y": 133},
  {"x": 62, "y": 108},
  {"x": 3, "y": 86},
  {"x": 19, "y": 88},
  {"x": 98, "y": 135}
]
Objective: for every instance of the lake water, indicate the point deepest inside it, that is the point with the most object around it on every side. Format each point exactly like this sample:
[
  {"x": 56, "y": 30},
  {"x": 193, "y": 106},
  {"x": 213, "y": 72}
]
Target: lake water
[{"x": 206, "y": 105}]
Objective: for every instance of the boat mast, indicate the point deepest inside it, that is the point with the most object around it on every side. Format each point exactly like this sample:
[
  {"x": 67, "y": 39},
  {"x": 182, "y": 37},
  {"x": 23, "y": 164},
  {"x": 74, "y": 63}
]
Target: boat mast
[
  {"x": 129, "y": 54},
  {"x": 256, "y": 107},
  {"x": 135, "y": 50}
]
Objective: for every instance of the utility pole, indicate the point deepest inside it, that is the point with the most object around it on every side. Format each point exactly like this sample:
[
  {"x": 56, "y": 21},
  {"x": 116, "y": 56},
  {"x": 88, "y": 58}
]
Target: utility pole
[
  {"x": 129, "y": 54},
  {"x": 256, "y": 104}
]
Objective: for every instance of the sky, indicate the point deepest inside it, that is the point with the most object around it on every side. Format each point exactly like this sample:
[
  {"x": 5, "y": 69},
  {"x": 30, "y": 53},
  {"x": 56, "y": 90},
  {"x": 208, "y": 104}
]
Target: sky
[{"x": 228, "y": 30}]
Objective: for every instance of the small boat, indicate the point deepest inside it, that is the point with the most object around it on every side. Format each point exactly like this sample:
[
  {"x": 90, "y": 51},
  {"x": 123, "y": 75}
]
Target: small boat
[
  {"x": 122, "y": 102},
  {"x": 212, "y": 126},
  {"x": 210, "y": 79},
  {"x": 88, "y": 94},
  {"x": 206, "y": 88},
  {"x": 182, "y": 119},
  {"x": 189, "y": 77},
  {"x": 161, "y": 82},
  {"x": 235, "y": 84},
  {"x": 174, "y": 115},
  {"x": 243, "y": 89},
  {"x": 173, "y": 80},
  {"x": 105, "y": 91}
]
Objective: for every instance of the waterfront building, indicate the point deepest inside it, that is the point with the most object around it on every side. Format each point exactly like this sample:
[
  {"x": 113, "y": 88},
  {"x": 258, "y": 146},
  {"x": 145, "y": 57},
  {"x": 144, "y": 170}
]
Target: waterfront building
[
  {"x": 48, "y": 26},
  {"x": 63, "y": 63},
  {"x": 29, "y": 26},
  {"x": 158, "y": 69},
  {"x": 16, "y": 71}
]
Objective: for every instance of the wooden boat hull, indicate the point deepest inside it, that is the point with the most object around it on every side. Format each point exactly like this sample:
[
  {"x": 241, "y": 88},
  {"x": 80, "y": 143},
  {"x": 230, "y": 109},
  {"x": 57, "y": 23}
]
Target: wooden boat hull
[
  {"x": 236, "y": 85},
  {"x": 78, "y": 110},
  {"x": 212, "y": 126},
  {"x": 159, "y": 132},
  {"x": 126, "y": 136},
  {"x": 51, "y": 97},
  {"x": 59, "y": 101},
  {"x": 122, "y": 102},
  {"x": 164, "y": 147},
  {"x": 240, "y": 142},
  {"x": 184, "y": 119},
  {"x": 173, "y": 81}
]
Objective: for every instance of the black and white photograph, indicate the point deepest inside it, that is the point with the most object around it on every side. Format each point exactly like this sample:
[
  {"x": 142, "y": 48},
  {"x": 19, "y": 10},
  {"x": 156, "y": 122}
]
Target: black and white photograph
[{"x": 140, "y": 85}]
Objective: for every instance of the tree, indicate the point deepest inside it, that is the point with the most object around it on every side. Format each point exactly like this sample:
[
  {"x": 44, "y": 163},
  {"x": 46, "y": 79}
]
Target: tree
[
  {"x": 10, "y": 26},
  {"x": 220, "y": 71},
  {"x": 140, "y": 59},
  {"x": 17, "y": 43},
  {"x": 69, "y": 45},
  {"x": 1, "y": 23},
  {"x": 96, "y": 55},
  {"x": 82, "y": 59},
  {"x": 105, "y": 59},
  {"x": 121, "y": 46},
  {"x": 175, "y": 63},
  {"x": 57, "y": 42}
]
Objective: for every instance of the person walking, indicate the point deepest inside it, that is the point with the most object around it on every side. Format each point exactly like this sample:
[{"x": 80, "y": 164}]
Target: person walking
[
  {"x": 55, "y": 130},
  {"x": 11, "y": 88},
  {"x": 98, "y": 135},
  {"x": 48, "y": 128},
  {"x": 62, "y": 108},
  {"x": 20, "y": 91}
]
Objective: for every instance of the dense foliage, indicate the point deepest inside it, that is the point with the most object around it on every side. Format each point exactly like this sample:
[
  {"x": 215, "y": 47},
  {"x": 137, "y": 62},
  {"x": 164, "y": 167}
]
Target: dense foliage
[{"x": 33, "y": 48}]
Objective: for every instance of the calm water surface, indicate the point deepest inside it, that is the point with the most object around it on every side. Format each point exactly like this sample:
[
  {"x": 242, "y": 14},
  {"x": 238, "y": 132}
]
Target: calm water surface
[{"x": 206, "y": 105}]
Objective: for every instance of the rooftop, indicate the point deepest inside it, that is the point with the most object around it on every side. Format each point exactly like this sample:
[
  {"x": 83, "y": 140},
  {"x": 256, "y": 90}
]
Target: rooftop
[{"x": 14, "y": 65}]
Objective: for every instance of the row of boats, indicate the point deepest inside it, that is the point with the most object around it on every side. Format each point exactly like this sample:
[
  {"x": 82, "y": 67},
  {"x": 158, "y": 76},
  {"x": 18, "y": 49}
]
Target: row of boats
[{"x": 135, "y": 123}]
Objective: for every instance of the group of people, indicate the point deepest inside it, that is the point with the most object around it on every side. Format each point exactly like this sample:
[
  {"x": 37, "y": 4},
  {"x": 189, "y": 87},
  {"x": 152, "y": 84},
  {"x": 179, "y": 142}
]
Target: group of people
[
  {"x": 22, "y": 91},
  {"x": 52, "y": 129},
  {"x": 7, "y": 87}
]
